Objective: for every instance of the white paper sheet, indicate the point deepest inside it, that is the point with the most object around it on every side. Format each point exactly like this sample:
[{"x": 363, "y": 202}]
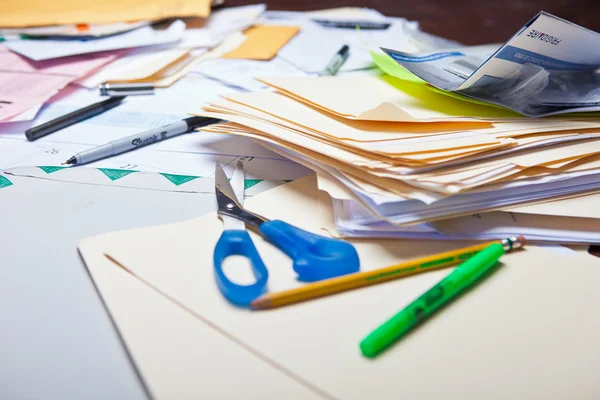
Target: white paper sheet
[
  {"x": 146, "y": 36},
  {"x": 220, "y": 24},
  {"x": 28, "y": 115},
  {"x": 241, "y": 73},
  {"x": 487, "y": 226},
  {"x": 304, "y": 52},
  {"x": 312, "y": 48},
  {"x": 191, "y": 154}
]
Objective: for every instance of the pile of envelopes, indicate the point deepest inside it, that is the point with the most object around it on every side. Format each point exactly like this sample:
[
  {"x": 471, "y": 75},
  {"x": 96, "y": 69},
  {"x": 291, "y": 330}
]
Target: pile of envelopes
[
  {"x": 87, "y": 46},
  {"x": 398, "y": 157}
]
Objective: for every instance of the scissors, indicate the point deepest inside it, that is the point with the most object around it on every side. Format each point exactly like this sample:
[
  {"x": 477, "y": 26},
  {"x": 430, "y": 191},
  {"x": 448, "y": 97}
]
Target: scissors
[{"x": 315, "y": 257}]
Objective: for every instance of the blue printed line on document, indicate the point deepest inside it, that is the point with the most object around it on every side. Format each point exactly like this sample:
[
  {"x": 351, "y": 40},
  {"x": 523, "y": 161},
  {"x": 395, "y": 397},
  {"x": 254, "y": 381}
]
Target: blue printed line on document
[
  {"x": 522, "y": 56},
  {"x": 431, "y": 57}
]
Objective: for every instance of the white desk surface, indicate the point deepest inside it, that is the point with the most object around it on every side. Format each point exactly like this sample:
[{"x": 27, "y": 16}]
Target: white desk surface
[{"x": 58, "y": 341}]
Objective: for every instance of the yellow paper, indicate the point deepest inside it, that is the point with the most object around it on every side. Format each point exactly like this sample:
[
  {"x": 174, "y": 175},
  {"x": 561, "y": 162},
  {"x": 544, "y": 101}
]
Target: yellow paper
[
  {"x": 17, "y": 14},
  {"x": 314, "y": 345},
  {"x": 263, "y": 42}
]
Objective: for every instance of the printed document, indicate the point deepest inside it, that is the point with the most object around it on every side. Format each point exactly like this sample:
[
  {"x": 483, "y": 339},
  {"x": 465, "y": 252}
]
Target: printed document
[{"x": 549, "y": 67}]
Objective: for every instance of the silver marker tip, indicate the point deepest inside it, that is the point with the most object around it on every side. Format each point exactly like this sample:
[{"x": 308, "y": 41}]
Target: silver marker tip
[{"x": 513, "y": 242}]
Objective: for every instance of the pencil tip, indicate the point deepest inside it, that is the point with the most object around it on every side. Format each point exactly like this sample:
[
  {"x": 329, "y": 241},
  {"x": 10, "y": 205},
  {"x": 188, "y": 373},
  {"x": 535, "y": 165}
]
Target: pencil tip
[{"x": 260, "y": 303}]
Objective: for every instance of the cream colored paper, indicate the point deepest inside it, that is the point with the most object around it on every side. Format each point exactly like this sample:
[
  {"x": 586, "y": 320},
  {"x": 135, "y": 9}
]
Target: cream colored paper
[
  {"x": 369, "y": 169},
  {"x": 149, "y": 69},
  {"x": 383, "y": 99},
  {"x": 392, "y": 185},
  {"x": 281, "y": 107},
  {"x": 582, "y": 206},
  {"x": 528, "y": 303},
  {"x": 391, "y": 152},
  {"x": 446, "y": 148},
  {"x": 519, "y": 222},
  {"x": 178, "y": 355}
]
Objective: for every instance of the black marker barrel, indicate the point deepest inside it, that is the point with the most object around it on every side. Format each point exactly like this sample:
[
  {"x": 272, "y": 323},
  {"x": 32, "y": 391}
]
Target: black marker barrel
[{"x": 72, "y": 118}]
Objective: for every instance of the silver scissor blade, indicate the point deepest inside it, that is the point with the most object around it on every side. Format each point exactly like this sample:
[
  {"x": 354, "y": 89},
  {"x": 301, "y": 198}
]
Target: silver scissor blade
[
  {"x": 227, "y": 203},
  {"x": 237, "y": 182},
  {"x": 222, "y": 183}
]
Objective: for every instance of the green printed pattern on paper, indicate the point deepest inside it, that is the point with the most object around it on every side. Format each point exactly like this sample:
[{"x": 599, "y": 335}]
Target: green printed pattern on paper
[
  {"x": 51, "y": 169},
  {"x": 179, "y": 179},
  {"x": 4, "y": 182},
  {"x": 115, "y": 174},
  {"x": 248, "y": 183}
]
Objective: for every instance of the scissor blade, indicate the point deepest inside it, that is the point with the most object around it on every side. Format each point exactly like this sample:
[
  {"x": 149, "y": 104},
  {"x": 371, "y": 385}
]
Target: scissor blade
[
  {"x": 237, "y": 182},
  {"x": 222, "y": 183},
  {"x": 227, "y": 202}
]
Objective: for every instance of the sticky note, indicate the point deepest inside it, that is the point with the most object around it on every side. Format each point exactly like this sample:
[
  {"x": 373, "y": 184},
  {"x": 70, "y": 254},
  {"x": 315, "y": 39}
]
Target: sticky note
[{"x": 263, "y": 42}]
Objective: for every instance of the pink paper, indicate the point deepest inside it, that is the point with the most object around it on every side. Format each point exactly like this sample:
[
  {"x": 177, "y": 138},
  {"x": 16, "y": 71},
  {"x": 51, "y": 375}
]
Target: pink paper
[{"x": 25, "y": 83}]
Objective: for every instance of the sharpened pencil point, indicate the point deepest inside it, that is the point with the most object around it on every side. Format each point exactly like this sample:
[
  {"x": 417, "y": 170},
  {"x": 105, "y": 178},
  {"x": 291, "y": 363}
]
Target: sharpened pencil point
[{"x": 261, "y": 303}]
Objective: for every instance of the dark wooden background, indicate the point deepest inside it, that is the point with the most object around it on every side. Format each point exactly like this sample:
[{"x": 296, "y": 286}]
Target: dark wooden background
[{"x": 467, "y": 21}]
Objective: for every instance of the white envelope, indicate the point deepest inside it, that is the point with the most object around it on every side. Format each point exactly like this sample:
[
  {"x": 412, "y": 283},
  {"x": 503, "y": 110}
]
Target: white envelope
[
  {"x": 145, "y": 36},
  {"x": 527, "y": 331}
]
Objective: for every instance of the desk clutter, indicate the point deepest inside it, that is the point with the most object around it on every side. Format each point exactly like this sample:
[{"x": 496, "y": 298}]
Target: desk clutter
[{"x": 350, "y": 159}]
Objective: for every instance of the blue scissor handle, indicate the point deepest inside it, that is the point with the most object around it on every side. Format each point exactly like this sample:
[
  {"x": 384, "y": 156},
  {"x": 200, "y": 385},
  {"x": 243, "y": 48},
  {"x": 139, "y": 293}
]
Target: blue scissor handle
[
  {"x": 315, "y": 257},
  {"x": 238, "y": 242}
]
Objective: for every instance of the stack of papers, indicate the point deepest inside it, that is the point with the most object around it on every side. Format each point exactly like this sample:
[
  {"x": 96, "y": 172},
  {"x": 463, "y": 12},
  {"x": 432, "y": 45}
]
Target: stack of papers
[
  {"x": 97, "y": 50},
  {"x": 401, "y": 153},
  {"x": 230, "y": 46},
  {"x": 396, "y": 155}
]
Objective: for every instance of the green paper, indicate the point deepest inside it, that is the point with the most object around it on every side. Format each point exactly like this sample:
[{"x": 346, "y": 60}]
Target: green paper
[{"x": 392, "y": 68}]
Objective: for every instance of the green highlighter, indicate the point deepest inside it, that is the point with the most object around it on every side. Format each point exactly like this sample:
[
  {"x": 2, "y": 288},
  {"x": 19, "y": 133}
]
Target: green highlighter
[{"x": 460, "y": 279}]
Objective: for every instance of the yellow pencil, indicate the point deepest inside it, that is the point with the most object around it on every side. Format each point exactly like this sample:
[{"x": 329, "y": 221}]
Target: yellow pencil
[{"x": 361, "y": 279}]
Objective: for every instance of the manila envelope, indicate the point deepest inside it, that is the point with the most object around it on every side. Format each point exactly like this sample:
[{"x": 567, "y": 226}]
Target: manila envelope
[
  {"x": 263, "y": 42},
  {"x": 526, "y": 331},
  {"x": 17, "y": 14}
]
